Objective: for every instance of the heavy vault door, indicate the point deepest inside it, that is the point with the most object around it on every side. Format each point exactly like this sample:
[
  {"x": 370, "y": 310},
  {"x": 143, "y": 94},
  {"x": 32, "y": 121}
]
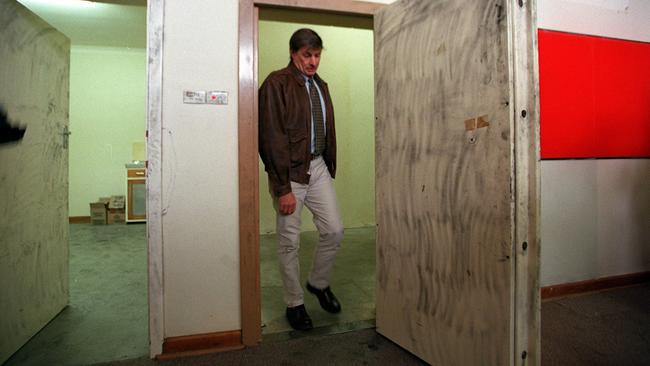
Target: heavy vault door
[{"x": 456, "y": 180}]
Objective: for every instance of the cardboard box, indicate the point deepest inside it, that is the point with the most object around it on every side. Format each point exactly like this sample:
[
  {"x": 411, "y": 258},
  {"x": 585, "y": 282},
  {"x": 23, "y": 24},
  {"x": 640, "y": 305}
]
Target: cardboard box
[
  {"x": 98, "y": 213},
  {"x": 116, "y": 216},
  {"x": 117, "y": 202}
]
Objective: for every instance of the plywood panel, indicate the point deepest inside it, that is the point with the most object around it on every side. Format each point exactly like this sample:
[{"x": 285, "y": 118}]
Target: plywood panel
[
  {"x": 34, "y": 74},
  {"x": 444, "y": 195}
]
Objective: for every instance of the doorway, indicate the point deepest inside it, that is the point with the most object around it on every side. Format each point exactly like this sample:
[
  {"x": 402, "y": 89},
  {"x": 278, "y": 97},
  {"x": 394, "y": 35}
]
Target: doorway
[
  {"x": 249, "y": 174},
  {"x": 347, "y": 67}
]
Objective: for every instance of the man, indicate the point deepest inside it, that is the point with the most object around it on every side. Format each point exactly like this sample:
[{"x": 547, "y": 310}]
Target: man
[{"x": 298, "y": 147}]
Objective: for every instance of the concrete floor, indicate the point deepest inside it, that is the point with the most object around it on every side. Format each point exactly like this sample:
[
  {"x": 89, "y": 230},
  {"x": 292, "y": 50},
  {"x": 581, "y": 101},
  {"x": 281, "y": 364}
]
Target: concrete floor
[
  {"x": 606, "y": 328},
  {"x": 107, "y": 317},
  {"x": 599, "y": 329}
]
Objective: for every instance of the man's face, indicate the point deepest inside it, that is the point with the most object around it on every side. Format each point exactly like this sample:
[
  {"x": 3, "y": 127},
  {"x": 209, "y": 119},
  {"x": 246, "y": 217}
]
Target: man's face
[{"x": 306, "y": 60}]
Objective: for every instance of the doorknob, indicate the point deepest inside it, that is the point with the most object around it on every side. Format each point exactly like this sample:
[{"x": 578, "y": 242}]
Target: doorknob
[{"x": 66, "y": 136}]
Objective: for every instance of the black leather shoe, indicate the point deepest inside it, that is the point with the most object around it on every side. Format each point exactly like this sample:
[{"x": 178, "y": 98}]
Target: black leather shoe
[
  {"x": 327, "y": 300},
  {"x": 298, "y": 318}
]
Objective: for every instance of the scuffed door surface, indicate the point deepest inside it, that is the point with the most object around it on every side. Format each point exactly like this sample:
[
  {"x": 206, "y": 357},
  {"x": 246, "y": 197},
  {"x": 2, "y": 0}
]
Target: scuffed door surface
[
  {"x": 443, "y": 190},
  {"x": 34, "y": 74}
]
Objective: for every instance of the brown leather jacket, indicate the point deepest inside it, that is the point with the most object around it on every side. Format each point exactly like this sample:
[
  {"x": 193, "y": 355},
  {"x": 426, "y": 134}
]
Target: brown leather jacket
[{"x": 285, "y": 129}]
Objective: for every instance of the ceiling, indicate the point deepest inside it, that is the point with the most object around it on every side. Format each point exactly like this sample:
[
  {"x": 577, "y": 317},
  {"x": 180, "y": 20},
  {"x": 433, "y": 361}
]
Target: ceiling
[{"x": 109, "y": 23}]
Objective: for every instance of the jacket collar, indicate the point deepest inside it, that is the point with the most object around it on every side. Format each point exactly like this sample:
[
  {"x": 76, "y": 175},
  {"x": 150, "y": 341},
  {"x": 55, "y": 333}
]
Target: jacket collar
[{"x": 300, "y": 78}]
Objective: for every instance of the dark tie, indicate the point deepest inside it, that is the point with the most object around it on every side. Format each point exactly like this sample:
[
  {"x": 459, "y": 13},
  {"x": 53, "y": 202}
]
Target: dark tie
[{"x": 317, "y": 116}]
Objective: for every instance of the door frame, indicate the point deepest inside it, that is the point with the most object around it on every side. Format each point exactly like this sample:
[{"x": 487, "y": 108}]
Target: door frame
[
  {"x": 525, "y": 185},
  {"x": 249, "y": 232},
  {"x": 155, "y": 19}
]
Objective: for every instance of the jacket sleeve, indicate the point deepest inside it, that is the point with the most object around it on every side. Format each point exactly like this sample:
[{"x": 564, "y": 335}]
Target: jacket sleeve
[
  {"x": 331, "y": 146},
  {"x": 273, "y": 138}
]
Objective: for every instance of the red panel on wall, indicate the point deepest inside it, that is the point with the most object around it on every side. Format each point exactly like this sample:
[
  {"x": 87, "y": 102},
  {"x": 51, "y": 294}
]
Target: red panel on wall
[{"x": 594, "y": 96}]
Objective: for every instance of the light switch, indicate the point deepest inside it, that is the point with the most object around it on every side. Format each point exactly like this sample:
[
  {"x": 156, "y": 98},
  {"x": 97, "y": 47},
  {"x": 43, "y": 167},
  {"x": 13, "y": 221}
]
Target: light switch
[
  {"x": 218, "y": 97},
  {"x": 194, "y": 97}
]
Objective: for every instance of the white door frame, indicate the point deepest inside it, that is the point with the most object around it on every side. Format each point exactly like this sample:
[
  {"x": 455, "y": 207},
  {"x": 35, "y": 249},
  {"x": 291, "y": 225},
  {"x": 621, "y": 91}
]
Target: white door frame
[{"x": 155, "y": 19}]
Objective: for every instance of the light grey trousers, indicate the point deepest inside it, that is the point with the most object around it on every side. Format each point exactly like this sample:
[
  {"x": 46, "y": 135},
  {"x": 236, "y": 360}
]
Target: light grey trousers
[{"x": 320, "y": 198}]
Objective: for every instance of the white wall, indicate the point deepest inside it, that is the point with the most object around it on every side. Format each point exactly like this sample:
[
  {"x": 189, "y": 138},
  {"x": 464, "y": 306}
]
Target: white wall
[
  {"x": 623, "y": 216},
  {"x": 624, "y": 19},
  {"x": 200, "y": 178},
  {"x": 595, "y": 218},
  {"x": 595, "y": 213},
  {"x": 107, "y": 117}
]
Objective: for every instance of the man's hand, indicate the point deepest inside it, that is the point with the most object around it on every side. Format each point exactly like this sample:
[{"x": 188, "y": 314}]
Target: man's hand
[{"x": 287, "y": 203}]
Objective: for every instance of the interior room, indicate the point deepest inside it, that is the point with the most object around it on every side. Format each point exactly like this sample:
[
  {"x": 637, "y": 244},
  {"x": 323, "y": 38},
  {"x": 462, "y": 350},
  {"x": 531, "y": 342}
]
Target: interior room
[
  {"x": 347, "y": 66},
  {"x": 106, "y": 315}
]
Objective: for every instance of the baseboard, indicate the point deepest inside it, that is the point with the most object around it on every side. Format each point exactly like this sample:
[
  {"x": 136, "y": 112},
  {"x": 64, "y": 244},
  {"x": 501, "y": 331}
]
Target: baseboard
[
  {"x": 79, "y": 219},
  {"x": 199, "y": 344},
  {"x": 599, "y": 284}
]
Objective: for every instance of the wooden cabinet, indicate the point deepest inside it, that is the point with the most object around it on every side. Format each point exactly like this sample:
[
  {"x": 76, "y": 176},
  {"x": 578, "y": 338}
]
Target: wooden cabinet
[{"x": 136, "y": 197}]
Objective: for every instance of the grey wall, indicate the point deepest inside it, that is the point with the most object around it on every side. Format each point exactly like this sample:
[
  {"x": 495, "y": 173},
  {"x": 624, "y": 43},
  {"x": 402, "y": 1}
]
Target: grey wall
[{"x": 34, "y": 74}]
